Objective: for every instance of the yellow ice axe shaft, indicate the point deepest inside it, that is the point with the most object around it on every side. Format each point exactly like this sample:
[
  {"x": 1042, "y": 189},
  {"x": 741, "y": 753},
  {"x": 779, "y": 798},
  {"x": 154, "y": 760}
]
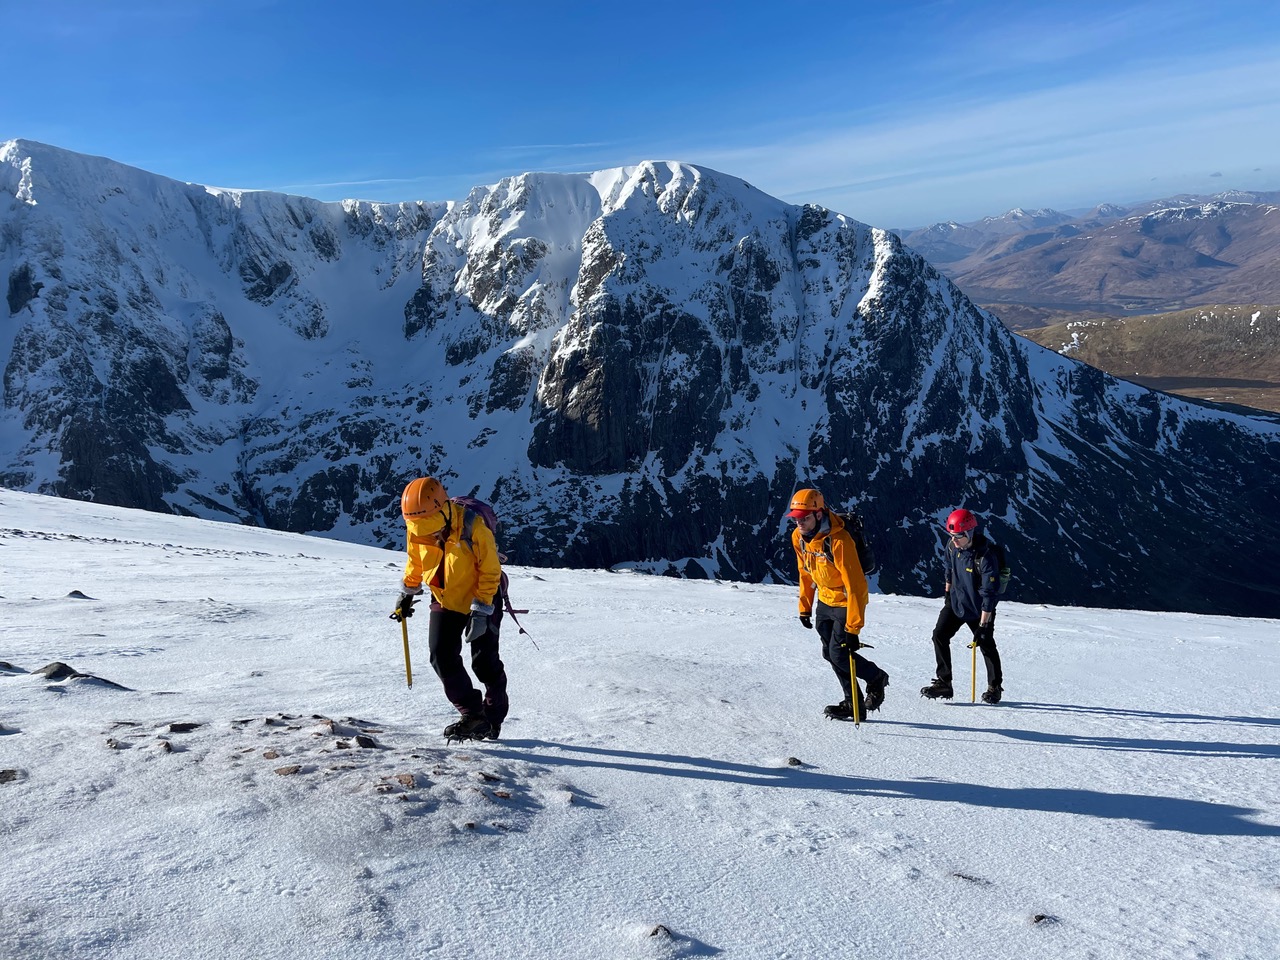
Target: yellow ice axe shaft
[
  {"x": 973, "y": 672},
  {"x": 853, "y": 688},
  {"x": 408, "y": 669}
]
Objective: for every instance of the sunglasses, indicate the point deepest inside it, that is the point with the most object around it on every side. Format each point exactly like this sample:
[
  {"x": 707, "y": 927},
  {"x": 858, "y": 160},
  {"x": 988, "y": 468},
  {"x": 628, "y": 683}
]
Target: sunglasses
[{"x": 960, "y": 536}]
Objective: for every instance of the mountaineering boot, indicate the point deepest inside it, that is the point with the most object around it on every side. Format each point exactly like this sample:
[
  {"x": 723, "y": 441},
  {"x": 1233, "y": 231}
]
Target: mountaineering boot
[
  {"x": 469, "y": 727},
  {"x": 844, "y": 711},
  {"x": 992, "y": 694},
  {"x": 938, "y": 690},
  {"x": 495, "y": 729},
  {"x": 839, "y": 711},
  {"x": 875, "y": 694}
]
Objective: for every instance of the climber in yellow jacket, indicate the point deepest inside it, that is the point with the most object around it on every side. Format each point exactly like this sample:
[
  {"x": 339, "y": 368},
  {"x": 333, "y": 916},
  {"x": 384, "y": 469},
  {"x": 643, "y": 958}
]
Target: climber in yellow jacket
[{"x": 452, "y": 552}]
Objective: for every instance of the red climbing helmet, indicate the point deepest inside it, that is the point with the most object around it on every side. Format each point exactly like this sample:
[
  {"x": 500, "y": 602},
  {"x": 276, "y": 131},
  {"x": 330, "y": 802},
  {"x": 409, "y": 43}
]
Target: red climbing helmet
[{"x": 961, "y": 521}]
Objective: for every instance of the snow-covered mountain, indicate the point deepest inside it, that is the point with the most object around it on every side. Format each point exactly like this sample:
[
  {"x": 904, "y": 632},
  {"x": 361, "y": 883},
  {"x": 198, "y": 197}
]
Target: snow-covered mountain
[
  {"x": 1019, "y": 220},
  {"x": 239, "y": 770},
  {"x": 1157, "y": 256},
  {"x": 637, "y": 366},
  {"x": 948, "y": 242},
  {"x": 1213, "y": 252}
]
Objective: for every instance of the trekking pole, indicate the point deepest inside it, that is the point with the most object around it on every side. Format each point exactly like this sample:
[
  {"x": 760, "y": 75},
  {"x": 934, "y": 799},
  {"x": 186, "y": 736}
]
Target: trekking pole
[{"x": 853, "y": 687}]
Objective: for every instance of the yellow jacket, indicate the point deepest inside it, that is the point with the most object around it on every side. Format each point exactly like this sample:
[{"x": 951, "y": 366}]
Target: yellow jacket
[
  {"x": 455, "y": 573},
  {"x": 838, "y": 582}
]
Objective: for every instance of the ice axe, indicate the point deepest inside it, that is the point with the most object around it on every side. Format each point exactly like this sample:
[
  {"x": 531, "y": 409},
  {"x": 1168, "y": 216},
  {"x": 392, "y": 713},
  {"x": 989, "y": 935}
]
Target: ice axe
[
  {"x": 404, "y": 632},
  {"x": 853, "y": 694},
  {"x": 973, "y": 671}
]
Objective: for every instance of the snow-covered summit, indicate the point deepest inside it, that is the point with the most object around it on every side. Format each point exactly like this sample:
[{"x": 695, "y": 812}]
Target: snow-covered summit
[{"x": 637, "y": 365}]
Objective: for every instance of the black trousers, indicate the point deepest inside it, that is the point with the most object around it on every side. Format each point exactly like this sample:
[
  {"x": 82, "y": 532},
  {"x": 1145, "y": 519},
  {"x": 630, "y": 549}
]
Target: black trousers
[
  {"x": 445, "y": 639},
  {"x": 829, "y": 622},
  {"x": 949, "y": 624}
]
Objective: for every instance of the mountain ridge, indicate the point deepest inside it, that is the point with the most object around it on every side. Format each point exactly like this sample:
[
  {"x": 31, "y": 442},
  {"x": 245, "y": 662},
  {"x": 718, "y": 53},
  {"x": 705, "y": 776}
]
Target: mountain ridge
[
  {"x": 1151, "y": 257},
  {"x": 637, "y": 366}
]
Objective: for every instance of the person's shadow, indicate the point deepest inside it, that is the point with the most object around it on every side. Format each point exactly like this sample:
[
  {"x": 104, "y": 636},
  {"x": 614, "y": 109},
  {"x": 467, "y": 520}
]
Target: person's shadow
[
  {"x": 1125, "y": 713},
  {"x": 1181, "y": 748},
  {"x": 1156, "y": 812}
]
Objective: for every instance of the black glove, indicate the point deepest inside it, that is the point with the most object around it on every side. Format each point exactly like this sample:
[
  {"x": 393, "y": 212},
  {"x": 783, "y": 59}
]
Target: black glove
[
  {"x": 850, "y": 643},
  {"x": 404, "y": 606},
  {"x": 984, "y": 632},
  {"x": 806, "y": 621},
  {"x": 478, "y": 625}
]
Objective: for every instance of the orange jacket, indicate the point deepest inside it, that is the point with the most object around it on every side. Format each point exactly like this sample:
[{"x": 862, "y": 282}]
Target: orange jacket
[
  {"x": 838, "y": 582},
  {"x": 455, "y": 573}
]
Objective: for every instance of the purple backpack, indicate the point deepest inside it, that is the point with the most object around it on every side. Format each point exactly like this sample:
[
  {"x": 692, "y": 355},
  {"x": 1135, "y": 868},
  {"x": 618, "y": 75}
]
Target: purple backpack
[{"x": 471, "y": 509}]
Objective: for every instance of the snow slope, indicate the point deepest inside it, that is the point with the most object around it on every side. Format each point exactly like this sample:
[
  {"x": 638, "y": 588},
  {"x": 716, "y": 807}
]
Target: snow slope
[{"x": 1121, "y": 803}]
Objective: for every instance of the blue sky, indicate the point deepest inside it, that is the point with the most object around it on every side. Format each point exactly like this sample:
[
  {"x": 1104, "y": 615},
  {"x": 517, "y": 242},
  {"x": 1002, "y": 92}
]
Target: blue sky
[{"x": 898, "y": 115}]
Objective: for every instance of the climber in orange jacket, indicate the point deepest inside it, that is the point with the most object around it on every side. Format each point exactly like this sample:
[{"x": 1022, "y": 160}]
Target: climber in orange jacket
[{"x": 833, "y": 598}]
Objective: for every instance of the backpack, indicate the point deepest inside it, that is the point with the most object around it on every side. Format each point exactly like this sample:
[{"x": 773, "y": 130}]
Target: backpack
[
  {"x": 1002, "y": 564},
  {"x": 858, "y": 533},
  {"x": 471, "y": 510}
]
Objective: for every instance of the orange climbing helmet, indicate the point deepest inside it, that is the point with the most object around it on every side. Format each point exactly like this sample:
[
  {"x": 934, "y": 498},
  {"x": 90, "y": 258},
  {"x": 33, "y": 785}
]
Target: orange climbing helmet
[
  {"x": 805, "y": 502},
  {"x": 422, "y": 497}
]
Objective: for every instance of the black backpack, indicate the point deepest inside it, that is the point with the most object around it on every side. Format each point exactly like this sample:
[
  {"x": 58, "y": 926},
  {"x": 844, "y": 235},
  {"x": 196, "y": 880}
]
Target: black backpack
[
  {"x": 858, "y": 533},
  {"x": 1002, "y": 564}
]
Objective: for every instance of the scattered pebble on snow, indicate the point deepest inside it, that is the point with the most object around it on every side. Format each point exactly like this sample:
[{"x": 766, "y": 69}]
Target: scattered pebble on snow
[{"x": 474, "y": 790}]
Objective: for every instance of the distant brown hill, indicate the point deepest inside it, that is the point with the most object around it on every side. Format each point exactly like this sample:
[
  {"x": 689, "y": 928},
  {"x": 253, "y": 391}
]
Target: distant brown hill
[
  {"x": 1170, "y": 259},
  {"x": 1226, "y": 354},
  {"x": 1039, "y": 267}
]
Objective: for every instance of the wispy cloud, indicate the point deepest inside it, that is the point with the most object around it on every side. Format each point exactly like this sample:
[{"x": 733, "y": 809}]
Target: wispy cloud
[
  {"x": 953, "y": 156},
  {"x": 1163, "y": 122},
  {"x": 535, "y": 147},
  {"x": 1039, "y": 36}
]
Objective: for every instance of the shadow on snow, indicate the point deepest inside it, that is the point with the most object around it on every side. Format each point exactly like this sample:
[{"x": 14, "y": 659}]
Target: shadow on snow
[
  {"x": 1128, "y": 714},
  {"x": 1157, "y": 812},
  {"x": 1185, "y": 748}
]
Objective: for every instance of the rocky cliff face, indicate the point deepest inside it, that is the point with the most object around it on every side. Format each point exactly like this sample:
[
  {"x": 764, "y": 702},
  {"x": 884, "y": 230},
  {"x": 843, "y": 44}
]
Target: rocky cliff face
[{"x": 636, "y": 366}]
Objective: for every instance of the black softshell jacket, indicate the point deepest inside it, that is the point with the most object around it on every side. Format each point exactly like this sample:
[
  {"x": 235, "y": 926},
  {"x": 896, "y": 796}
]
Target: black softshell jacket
[{"x": 974, "y": 576}]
